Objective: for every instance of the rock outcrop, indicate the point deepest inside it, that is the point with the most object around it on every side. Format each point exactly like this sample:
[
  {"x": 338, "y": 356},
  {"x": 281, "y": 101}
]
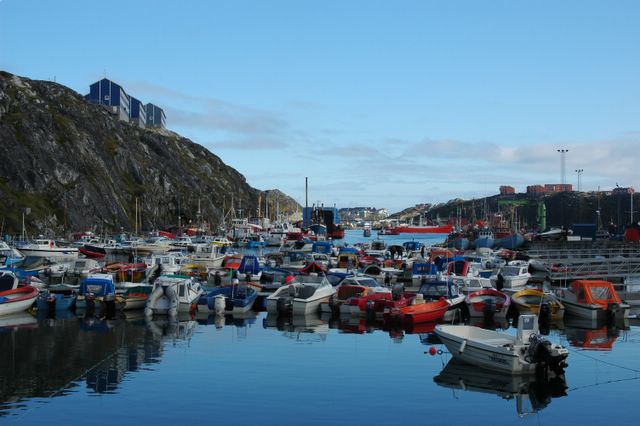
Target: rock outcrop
[{"x": 75, "y": 166}]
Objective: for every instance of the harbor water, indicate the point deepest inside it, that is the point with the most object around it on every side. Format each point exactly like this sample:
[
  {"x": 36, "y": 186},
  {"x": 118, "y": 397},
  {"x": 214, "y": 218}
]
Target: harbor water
[{"x": 313, "y": 370}]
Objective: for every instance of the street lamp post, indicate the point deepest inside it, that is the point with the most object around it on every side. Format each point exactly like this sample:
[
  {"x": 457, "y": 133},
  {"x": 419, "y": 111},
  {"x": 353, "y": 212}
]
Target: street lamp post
[
  {"x": 563, "y": 153},
  {"x": 579, "y": 172}
]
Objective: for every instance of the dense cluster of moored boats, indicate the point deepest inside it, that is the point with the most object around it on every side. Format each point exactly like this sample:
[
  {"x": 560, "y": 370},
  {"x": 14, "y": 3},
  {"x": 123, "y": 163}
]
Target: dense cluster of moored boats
[{"x": 406, "y": 284}]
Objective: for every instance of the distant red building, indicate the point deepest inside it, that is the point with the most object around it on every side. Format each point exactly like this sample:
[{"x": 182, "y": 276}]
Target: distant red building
[
  {"x": 557, "y": 187},
  {"x": 535, "y": 189},
  {"x": 506, "y": 189}
]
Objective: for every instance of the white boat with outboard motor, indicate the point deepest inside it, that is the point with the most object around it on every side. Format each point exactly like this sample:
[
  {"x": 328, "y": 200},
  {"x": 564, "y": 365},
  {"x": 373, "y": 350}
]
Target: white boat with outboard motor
[{"x": 525, "y": 353}]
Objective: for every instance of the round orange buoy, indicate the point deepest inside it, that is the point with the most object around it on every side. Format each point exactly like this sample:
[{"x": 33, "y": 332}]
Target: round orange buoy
[{"x": 432, "y": 351}]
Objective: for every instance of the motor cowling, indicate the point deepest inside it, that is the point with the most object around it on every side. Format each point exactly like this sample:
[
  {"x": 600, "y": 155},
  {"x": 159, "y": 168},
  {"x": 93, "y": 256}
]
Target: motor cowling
[
  {"x": 334, "y": 304},
  {"x": 284, "y": 305}
]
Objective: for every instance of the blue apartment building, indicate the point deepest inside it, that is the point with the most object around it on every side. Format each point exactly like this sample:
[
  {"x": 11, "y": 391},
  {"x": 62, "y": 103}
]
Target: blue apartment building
[
  {"x": 106, "y": 92},
  {"x": 138, "y": 112},
  {"x": 155, "y": 116},
  {"x": 126, "y": 108}
]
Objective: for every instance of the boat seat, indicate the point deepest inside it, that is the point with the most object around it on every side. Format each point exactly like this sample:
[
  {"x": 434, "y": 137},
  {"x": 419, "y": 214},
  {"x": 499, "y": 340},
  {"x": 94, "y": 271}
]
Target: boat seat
[
  {"x": 306, "y": 292},
  {"x": 498, "y": 342}
]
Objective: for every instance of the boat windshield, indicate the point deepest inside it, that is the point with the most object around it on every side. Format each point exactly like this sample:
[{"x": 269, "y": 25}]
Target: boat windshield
[
  {"x": 600, "y": 293},
  {"x": 434, "y": 290}
]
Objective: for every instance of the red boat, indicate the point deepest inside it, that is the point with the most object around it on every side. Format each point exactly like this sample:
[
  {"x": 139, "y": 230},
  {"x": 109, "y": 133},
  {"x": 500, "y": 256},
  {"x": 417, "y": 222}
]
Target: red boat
[
  {"x": 421, "y": 312},
  {"x": 420, "y": 229},
  {"x": 488, "y": 301}
]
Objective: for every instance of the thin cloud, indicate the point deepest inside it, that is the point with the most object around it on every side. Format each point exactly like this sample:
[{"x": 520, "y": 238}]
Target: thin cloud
[{"x": 210, "y": 113}]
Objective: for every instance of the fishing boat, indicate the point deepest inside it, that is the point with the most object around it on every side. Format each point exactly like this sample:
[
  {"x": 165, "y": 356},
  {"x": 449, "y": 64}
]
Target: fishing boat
[
  {"x": 50, "y": 250},
  {"x": 531, "y": 300},
  {"x": 136, "y": 297},
  {"x": 232, "y": 299},
  {"x": 419, "y": 229},
  {"x": 488, "y": 302},
  {"x": 526, "y": 352},
  {"x": 17, "y": 299},
  {"x": 173, "y": 294},
  {"x": 361, "y": 305},
  {"x": 593, "y": 300},
  {"x": 249, "y": 269},
  {"x": 59, "y": 297},
  {"x": 96, "y": 292},
  {"x": 419, "y": 311},
  {"x": 447, "y": 290},
  {"x": 513, "y": 275},
  {"x": 300, "y": 296}
]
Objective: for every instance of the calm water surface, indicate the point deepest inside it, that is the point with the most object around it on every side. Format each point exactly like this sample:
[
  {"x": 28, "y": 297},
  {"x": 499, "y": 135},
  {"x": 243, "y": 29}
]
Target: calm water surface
[{"x": 311, "y": 370}]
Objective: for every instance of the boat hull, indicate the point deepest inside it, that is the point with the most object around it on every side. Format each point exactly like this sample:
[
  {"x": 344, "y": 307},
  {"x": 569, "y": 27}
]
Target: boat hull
[{"x": 17, "y": 300}]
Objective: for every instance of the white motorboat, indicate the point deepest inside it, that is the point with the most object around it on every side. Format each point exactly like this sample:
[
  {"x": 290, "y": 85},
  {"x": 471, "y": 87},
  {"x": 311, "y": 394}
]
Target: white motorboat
[
  {"x": 526, "y": 352},
  {"x": 209, "y": 255},
  {"x": 593, "y": 300},
  {"x": 300, "y": 296},
  {"x": 50, "y": 250},
  {"x": 172, "y": 294},
  {"x": 513, "y": 275}
]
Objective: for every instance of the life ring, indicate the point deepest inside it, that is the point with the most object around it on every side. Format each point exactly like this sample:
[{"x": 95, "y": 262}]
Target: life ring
[{"x": 50, "y": 244}]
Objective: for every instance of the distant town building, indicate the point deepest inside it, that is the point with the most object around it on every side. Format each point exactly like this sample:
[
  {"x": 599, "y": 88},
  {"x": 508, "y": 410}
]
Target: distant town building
[
  {"x": 506, "y": 189},
  {"x": 619, "y": 191},
  {"x": 106, "y": 92},
  {"x": 155, "y": 116},
  {"x": 557, "y": 187},
  {"x": 535, "y": 190},
  {"x": 138, "y": 112}
]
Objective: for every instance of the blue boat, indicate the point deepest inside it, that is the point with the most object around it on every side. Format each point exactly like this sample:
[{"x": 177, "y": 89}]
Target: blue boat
[
  {"x": 96, "y": 292},
  {"x": 510, "y": 242},
  {"x": 458, "y": 243},
  {"x": 57, "y": 298},
  {"x": 231, "y": 299},
  {"x": 412, "y": 245},
  {"x": 249, "y": 269},
  {"x": 484, "y": 242},
  {"x": 324, "y": 247}
]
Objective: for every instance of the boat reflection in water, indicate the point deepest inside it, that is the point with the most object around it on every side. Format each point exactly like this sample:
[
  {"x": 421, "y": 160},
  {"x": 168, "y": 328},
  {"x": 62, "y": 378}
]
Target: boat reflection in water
[
  {"x": 241, "y": 321},
  {"x": 301, "y": 328},
  {"x": 593, "y": 335},
  {"x": 50, "y": 356},
  {"x": 532, "y": 393}
]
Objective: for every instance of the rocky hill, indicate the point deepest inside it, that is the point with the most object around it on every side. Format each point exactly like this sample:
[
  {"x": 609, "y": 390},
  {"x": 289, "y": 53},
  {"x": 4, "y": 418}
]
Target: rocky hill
[
  {"x": 75, "y": 167},
  {"x": 562, "y": 209}
]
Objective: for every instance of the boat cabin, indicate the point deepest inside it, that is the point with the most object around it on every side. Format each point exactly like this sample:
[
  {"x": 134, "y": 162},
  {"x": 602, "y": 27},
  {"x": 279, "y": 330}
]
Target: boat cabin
[
  {"x": 596, "y": 292},
  {"x": 98, "y": 285}
]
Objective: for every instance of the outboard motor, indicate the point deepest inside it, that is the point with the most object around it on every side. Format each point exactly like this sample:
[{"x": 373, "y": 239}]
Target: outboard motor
[
  {"x": 109, "y": 302},
  {"x": 489, "y": 309},
  {"x": 334, "y": 305},
  {"x": 544, "y": 317},
  {"x": 614, "y": 312},
  {"x": 396, "y": 291},
  {"x": 51, "y": 302},
  {"x": 91, "y": 302},
  {"x": 370, "y": 310},
  {"x": 284, "y": 305}
]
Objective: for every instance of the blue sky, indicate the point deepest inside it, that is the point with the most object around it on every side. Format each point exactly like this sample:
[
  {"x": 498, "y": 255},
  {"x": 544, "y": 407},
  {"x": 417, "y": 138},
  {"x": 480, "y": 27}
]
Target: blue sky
[{"x": 378, "y": 103}]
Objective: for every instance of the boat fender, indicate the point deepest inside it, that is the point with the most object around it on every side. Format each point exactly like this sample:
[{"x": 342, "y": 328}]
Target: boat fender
[
  {"x": 50, "y": 244},
  {"x": 152, "y": 300},
  {"x": 219, "y": 304},
  {"x": 462, "y": 346},
  {"x": 172, "y": 295}
]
